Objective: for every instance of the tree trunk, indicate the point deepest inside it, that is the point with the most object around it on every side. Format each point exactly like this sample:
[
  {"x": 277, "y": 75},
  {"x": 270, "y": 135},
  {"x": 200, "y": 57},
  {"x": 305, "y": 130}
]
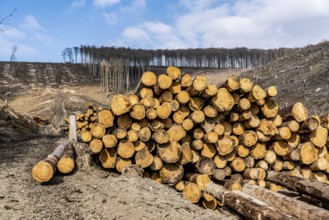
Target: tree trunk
[
  {"x": 287, "y": 204},
  {"x": 308, "y": 187}
]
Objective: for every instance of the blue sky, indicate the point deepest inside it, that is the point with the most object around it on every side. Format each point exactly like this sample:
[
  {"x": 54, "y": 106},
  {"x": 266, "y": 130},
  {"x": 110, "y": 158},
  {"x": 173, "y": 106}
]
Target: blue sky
[{"x": 41, "y": 29}]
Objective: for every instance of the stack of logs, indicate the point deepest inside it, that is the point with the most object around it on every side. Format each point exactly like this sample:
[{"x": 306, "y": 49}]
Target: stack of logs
[{"x": 188, "y": 133}]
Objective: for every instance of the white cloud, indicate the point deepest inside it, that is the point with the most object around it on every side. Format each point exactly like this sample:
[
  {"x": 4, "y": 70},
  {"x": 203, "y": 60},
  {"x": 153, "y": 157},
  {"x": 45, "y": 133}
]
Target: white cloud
[
  {"x": 78, "y": 3},
  {"x": 105, "y": 3},
  {"x": 135, "y": 34},
  {"x": 125, "y": 13},
  {"x": 32, "y": 24},
  {"x": 242, "y": 23}
]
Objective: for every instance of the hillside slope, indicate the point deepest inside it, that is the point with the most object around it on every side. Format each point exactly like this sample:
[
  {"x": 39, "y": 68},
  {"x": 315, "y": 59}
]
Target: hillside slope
[{"x": 302, "y": 76}]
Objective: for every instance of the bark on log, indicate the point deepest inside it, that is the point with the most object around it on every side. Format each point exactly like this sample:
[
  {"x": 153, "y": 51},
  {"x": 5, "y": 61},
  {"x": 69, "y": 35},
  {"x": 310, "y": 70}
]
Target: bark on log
[
  {"x": 308, "y": 187},
  {"x": 246, "y": 205},
  {"x": 287, "y": 204},
  {"x": 44, "y": 170}
]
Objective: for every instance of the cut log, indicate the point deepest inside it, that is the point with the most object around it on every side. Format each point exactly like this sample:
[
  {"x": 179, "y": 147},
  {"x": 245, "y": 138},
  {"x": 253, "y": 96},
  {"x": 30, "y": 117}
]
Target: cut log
[
  {"x": 44, "y": 170},
  {"x": 135, "y": 126},
  {"x": 248, "y": 138},
  {"x": 122, "y": 163},
  {"x": 176, "y": 133},
  {"x": 187, "y": 155},
  {"x": 238, "y": 164},
  {"x": 144, "y": 134},
  {"x": 249, "y": 161},
  {"x": 197, "y": 116},
  {"x": 157, "y": 163},
  {"x": 143, "y": 158},
  {"x": 146, "y": 92},
  {"x": 186, "y": 81},
  {"x": 166, "y": 96},
  {"x": 126, "y": 149},
  {"x": 225, "y": 146},
  {"x": 86, "y": 136},
  {"x": 149, "y": 79},
  {"x": 169, "y": 152},
  {"x": 308, "y": 187},
  {"x": 257, "y": 93},
  {"x": 220, "y": 161},
  {"x": 188, "y": 124},
  {"x": 96, "y": 145},
  {"x": 200, "y": 83},
  {"x": 270, "y": 108},
  {"x": 109, "y": 140},
  {"x": 132, "y": 135},
  {"x": 219, "y": 174},
  {"x": 133, "y": 99},
  {"x": 174, "y": 104},
  {"x": 108, "y": 157},
  {"x": 139, "y": 145},
  {"x": 251, "y": 209},
  {"x": 293, "y": 125},
  {"x": 197, "y": 145},
  {"x": 180, "y": 186},
  {"x": 258, "y": 151},
  {"x": 106, "y": 118},
  {"x": 147, "y": 102},
  {"x": 98, "y": 130},
  {"x": 196, "y": 103},
  {"x": 164, "y": 81},
  {"x": 205, "y": 166},
  {"x": 208, "y": 150},
  {"x": 171, "y": 173},
  {"x": 281, "y": 148},
  {"x": 310, "y": 124},
  {"x": 238, "y": 128},
  {"x": 284, "y": 133},
  {"x": 245, "y": 85},
  {"x": 208, "y": 201},
  {"x": 181, "y": 114},
  {"x": 267, "y": 127},
  {"x": 151, "y": 113},
  {"x": 277, "y": 165},
  {"x": 210, "y": 91},
  {"x": 319, "y": 164},
  {"x": 319, "y": 136},
  {"x": 242, "y": 150},
  {"x": 251, "y": 173},
  {"x": 161, "y": 136},
  {"x": 137, "y": 112},
  {"x": 175, "y": 88},
  {"x": 210, "y": 111},
  {"x": 287, "y": 204},
  {"x": 66, "y": 163},
  {"x": 262, "y": 164},
  {"x": 270, "y": 156},
  {"x": 277, "y": 120},
  {"x": 223, "y": 100},
  {"x": 120, "y": 133},
  {"x": 297, "y": 111},
  {"x": 120, "y": 104},
  {"x": 123, "y": 121},
  {"x": 308, "y": 153},
  {"x": 164, "y": 110},
  {"x": 192, "y": 192},
  {"x": 173, "y": 72}
]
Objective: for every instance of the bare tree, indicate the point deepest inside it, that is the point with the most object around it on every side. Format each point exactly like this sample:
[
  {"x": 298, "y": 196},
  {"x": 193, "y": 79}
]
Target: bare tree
[{"x": 5, "y": 19}]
